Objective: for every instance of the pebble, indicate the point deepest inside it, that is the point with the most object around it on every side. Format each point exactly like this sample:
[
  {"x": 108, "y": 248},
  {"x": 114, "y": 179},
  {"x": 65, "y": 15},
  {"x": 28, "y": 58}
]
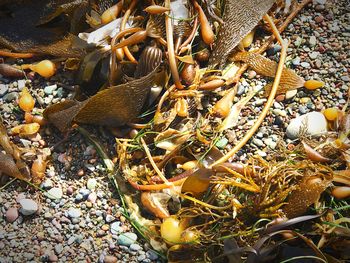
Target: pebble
[
  {"x": 58, "y": 248},
  {"x": 55, "y": 193},
  {"x": 74, "y": 212},
  {"x": 312, "y": 41},
  {"x": 9, "y": 97},
  {"x": 314, "y": 123},
  {"x": 53, "y": 258},
  {"x": 3, "y": 89},
  {"x": 50, "y": 89},
  {"x": 21, "y": 83},
  {"x": 47, "y": 184},
  {"x": 296, "y": 61},
  {"x": 92, "y": 197},
  {"x": 152, "y": 255},
  {"x": 291, "y": 93},
  {"x": 109, "y": 218},
  {"x": 28, "y": 207},
  {"x": 110, "y": 259},
  {"x": 305, "y": 64},
  {"x": 116, "y": 228},
  {"x": 314, "y": 54},
  {"x": 127, "y": 238},
  {"x": 135, "y": 247},
  {"x": 91, "y": 183},
  {"x": 11, "y": 214}
]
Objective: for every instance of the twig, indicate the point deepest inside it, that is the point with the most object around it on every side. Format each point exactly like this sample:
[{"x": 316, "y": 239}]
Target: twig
[{"x": 269, "y": 102}]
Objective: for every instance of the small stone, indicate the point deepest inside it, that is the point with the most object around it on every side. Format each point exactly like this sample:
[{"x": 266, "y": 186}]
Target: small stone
[
  {"x": 9, "y": 97},
  {"x": 270, "y": 143},
  {"x": 127, "y": 238},
  {"x": 261, "y": 153},
  {"x": 47, "y": 184},
  {"x": 105, "y": 227},
  {"x": 3, "y": 89},
  {"x": 70, "y": 190},
  {"x": 240, "y": 90},
  {"x": 85, "y": 192},
  {"x": 55, "y": 193},
  {"x": 20, "y": 196},
  {"x": 79, "y": 197},
  {"x": 74, "y": 212},
  {"x": 259, "y": 102},
  {"x": 314, "y": 54},
  {"x": 109, "y": 218},
  {"x": 251, "y": 74},
  {"x": 135, "y": 247},
  {"x": 28, "y": 256},
  {"x": 28, "y": 207},
  {"x": 50, "y": 89},
  {"x": 11, "y": 214},
  {"x": 92, "y": 197},
  {"x": 58, "y": 248},
  {"x": 312, "y": 41},
  {"x": 296, "y": 61},
  {"x": 304, "y": 100},
  {"x": 21, "y": 84},
  {"x": 53, "y": 258},
  {"x": 319, "y": 19},
  {"x": 313, "y": 123},
  {"x": 258, "y": 142},
  {"x": 221, "y": 143},
  {"x": 291, "y": 93},
  {"x": 91, "y": 183},
  {"x": 345, "y": 78},
  {"x": 280, "y": 97},
  {"x": 110, "y": 259},
  {"x": 151, "y": 255},
  {"x": 116, "y": 228},
  {"x": 305, "y": 64}
]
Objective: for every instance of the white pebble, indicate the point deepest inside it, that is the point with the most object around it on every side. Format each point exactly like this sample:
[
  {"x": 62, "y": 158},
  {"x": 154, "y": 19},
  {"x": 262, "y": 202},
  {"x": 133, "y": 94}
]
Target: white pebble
[{"x": 313, "y": 123}]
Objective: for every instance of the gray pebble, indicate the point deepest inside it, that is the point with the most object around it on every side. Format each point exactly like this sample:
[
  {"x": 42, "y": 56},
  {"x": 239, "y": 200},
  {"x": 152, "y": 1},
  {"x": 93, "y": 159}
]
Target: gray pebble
[
  {"x": 3, "y": 89},
  {"x": 28, "y": 206},
  {"x": 55, "y": 193},
  {"x": 58, "y": 248},
  {"x": 127, "y": 238},
  {"x": 74, "y": 212},
  {"x": 11, "y": 96}
]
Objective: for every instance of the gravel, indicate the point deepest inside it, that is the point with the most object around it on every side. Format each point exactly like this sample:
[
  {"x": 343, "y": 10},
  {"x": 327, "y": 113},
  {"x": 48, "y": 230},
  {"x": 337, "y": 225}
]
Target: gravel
[{"x": 84, "y": 221}]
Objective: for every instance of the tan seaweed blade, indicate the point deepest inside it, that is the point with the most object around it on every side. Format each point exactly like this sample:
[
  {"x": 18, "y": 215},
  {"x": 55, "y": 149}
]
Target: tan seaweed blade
[
  {"x": 266, "y": 67},
  {"x": 240, "y": 17},
  {"x": 111, "y": 107}
]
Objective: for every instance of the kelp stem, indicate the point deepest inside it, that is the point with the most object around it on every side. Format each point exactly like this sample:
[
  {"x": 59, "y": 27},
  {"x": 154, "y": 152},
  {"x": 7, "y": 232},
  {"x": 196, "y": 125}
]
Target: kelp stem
[{"x": 171, "y": 51}]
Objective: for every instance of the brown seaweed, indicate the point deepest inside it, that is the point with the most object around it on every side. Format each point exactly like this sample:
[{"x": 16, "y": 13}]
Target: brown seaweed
[
  {"x": 240, "y": 17},
  {"x": 266, "y": 67},
  {"x": 27, "y": 27}
]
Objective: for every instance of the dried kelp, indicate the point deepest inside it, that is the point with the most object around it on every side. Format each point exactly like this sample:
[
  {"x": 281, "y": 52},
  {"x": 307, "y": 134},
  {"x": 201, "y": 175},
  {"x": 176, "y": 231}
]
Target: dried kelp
[
  {"x": 26, "y": 27},
  {"x": 266, "y": 67},
  {"x": 240, "y": 17}
]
